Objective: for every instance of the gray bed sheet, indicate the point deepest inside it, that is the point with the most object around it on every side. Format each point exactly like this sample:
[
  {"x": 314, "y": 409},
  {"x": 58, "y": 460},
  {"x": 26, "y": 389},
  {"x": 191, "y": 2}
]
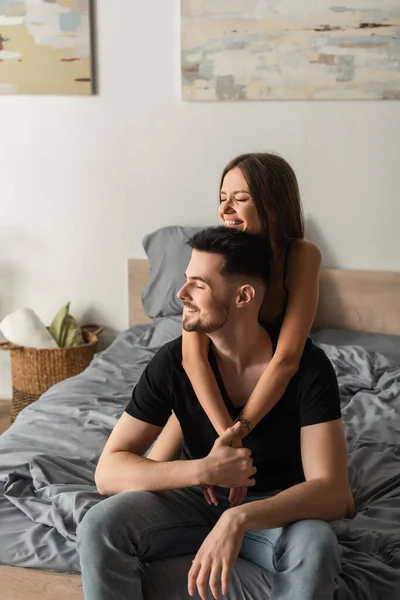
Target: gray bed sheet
[{"x": 48, "y": 457}]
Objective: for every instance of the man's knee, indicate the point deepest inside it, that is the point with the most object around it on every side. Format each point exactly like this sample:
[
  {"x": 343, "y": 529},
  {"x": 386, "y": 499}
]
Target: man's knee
[
  {"x": 93, "y": 528},
  {"x": 105, "y": 524},
  {"x": 311, "y": 541}
]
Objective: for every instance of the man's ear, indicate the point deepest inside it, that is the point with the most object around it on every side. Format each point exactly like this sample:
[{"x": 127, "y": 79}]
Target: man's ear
[{"x": 245, "y": 295}]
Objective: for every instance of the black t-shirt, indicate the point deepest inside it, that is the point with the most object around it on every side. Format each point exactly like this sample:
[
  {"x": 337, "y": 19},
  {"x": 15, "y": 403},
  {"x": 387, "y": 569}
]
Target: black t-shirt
[{"x": 311, "y": 397}]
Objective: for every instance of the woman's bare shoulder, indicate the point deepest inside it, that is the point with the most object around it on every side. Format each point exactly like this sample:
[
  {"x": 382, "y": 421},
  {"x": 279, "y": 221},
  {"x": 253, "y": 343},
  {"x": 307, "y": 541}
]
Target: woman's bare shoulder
[
  {"x": 304, "y": 264},
  {"x": 303, "y": 250}
]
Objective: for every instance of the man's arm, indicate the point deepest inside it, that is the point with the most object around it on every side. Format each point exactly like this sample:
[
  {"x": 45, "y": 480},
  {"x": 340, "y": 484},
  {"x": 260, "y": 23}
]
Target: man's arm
[
  {"x": 169, "y": 443},
  {"x": 122, "y": 466},
  {"x": 322, "y": 496}
]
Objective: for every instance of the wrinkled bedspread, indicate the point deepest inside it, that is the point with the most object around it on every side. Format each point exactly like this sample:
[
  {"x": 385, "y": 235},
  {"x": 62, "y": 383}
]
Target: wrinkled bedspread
[{"x": 48, "y": 457}]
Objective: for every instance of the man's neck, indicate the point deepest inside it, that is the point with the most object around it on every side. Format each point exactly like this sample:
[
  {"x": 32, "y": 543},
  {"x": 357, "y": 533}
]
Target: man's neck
[{"x": 241, "y": 344}]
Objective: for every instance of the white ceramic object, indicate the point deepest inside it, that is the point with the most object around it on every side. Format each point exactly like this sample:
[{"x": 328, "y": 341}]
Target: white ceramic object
[{"x": 24, "y": 328}]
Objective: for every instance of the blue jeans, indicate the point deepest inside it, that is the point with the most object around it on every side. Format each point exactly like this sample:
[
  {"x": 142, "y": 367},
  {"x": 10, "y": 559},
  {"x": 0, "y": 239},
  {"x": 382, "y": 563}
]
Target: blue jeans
[{"x": 120, "y": 532}]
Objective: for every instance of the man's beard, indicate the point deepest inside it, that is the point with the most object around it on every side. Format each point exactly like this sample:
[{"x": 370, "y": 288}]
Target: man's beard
[{"x": 206, "y": 325}]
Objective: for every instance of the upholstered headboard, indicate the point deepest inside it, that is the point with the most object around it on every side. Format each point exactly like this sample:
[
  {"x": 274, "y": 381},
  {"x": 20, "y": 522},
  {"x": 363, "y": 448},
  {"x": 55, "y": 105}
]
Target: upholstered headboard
[{"x": 353, "y": 300}]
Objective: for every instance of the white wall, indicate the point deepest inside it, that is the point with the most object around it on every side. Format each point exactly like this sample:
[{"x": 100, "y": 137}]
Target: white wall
[{"x": 83, "y": 179}]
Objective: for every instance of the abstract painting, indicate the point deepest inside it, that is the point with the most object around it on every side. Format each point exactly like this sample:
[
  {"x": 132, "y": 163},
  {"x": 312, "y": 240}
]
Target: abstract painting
[
  {"x": 45, "y": 47},
  {"x": 290, "y": 49}
]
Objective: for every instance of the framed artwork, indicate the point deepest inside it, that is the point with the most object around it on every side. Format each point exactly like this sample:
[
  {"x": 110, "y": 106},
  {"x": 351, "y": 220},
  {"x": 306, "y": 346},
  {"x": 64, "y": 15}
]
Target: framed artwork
[
  {"x": 45, "y": 47},
  {"x": 290, "y": 49}
]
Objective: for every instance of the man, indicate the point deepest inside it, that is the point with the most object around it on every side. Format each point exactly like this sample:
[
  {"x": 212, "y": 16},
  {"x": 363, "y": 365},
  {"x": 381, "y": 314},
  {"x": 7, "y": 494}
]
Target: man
[{"x": 299, "y": 478}]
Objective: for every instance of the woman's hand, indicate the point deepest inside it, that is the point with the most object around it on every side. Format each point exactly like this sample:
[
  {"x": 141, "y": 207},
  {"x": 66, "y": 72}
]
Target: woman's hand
[
  {"x": 209, "y": 494},
  {"x": 238, "y": 494}
]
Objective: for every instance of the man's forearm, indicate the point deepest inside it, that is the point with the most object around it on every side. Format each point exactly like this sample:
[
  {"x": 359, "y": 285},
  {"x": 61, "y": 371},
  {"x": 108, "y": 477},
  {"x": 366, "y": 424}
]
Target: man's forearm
[
  {"x": 308, "y": 500},
  {"x": 124, "y": 471}
]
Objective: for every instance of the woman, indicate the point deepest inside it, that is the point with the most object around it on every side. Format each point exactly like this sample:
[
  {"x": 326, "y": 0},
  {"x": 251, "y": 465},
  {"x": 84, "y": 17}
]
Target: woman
[{"x": 259, "y": 193}]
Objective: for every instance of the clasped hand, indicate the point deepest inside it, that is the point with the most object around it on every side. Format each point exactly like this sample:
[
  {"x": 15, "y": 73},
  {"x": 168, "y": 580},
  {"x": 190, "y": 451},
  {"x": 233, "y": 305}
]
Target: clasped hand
[
  {"x": 228, "y": 465},
  {"x": 237, "y": 492}
]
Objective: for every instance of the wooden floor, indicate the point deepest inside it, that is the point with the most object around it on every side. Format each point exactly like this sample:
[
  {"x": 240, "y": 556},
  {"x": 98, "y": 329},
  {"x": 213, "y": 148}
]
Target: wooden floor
[{"x": 29, "y": 584}]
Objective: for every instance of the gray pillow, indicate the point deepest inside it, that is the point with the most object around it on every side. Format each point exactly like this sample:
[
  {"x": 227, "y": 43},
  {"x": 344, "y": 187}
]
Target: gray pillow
[
  {"x": 165, "y": 329},
  {"x": 169, "y": 255},
  {"x": 388, "y": 345}
]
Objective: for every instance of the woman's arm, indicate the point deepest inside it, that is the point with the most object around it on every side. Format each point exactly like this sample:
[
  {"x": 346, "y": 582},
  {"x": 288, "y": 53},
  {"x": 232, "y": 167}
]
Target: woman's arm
[
  {"x": 195, "y": 362},
  {"x": 302, "y": 282}
]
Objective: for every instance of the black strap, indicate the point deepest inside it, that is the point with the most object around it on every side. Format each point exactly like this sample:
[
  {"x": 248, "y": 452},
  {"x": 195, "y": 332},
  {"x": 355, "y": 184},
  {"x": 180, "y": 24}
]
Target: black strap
[{"x": 289, "y": 245}]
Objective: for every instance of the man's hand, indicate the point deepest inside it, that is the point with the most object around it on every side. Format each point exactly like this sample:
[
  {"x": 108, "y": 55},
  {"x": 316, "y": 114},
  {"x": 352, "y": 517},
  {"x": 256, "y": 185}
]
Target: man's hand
[
  {"x": 226, "y": 466},
  {"x": 216, "y": 557},
  {"x": 236, "y": 494}
]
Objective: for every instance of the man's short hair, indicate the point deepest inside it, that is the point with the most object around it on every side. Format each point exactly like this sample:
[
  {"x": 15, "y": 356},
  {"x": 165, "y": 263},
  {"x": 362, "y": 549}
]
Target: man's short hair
[{"x": 245, "y": 254}]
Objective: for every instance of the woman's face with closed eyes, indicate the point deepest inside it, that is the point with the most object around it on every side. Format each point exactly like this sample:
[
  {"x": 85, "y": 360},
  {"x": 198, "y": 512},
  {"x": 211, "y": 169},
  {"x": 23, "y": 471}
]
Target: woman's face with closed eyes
[{"x": 237, "y": 208}]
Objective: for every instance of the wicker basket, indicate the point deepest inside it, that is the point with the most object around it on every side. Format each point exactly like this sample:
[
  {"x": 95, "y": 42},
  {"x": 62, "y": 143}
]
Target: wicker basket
[{"x": 35, "y": 370}]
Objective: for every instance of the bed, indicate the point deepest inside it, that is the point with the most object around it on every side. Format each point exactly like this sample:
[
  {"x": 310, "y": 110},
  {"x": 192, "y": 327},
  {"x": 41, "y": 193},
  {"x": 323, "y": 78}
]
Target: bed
[{"x": 48, "y": 456}]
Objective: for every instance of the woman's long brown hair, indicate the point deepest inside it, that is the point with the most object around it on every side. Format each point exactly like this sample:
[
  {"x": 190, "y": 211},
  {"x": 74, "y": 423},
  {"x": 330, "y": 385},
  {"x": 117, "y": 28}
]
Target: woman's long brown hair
[{"x": 274, "y": 188}]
